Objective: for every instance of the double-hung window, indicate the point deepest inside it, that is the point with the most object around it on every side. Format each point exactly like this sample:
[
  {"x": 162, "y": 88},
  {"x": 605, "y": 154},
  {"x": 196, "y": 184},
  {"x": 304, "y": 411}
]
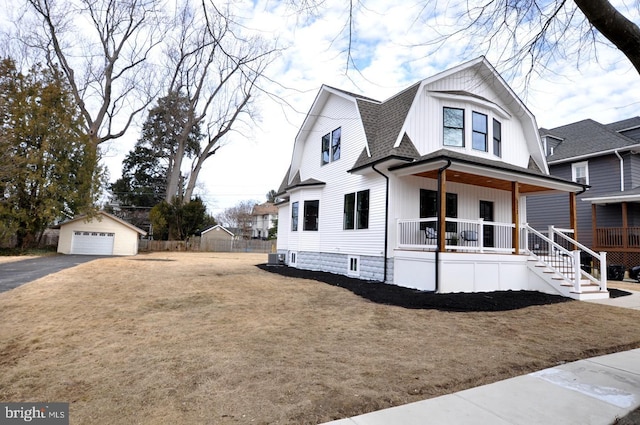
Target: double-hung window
[
  {"x": 580, "y": 172},
  {"x": 294, "y": 216},
  {"x": 479, "y": 129},
  {"x": 331, "y": 146},
  {"x": 311, "y": 209},
  {"x": 497, "y": 138},
  {"x": 356, "y": 210},
  {"x": 453, "y": 127}
]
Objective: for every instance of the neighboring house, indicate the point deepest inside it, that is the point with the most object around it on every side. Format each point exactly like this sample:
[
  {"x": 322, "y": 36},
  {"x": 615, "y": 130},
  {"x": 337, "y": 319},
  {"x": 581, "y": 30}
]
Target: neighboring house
[
  {"x": 264, "y": 217},
  {"x": 102, "y": 234},
  {"x": 605, "y": 157},
  {"x": 216, "y": 238},
  {"x": 426, "y": 190}
]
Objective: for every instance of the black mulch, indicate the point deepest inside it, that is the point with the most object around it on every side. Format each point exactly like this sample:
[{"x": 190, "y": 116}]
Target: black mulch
[{"x": 410, "y": 298}]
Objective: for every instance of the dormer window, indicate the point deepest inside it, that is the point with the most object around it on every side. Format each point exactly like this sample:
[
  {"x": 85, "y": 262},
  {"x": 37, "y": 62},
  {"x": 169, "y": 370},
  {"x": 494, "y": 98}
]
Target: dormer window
[
  {"x": 331, "y": 146},
  {"x": 453, "y": 130}
]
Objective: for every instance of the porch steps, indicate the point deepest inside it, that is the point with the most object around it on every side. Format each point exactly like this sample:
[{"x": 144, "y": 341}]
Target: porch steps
[{"x": 589, "y": 290}]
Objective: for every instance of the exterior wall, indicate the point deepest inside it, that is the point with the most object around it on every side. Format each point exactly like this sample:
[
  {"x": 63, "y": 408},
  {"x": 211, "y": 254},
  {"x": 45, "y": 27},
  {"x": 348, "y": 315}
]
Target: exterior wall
[
  {"x": 425, "y": 122},
  {"x": 461, "y": 272},
  {"x": 604, "y": 178},
  {"x": 330, "y": 236},
  {"x": 125, "y": 240},
  {"x": 632, "y": 171},
  {"x": 216, "y": 234}
]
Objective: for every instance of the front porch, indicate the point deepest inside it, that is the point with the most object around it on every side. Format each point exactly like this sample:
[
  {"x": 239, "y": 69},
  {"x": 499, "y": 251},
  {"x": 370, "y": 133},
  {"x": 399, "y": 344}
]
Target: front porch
[
  {"x": 615, "y": 222},
  {"x": 472, "y": 236},
  {"x": 481, "y": 256}
]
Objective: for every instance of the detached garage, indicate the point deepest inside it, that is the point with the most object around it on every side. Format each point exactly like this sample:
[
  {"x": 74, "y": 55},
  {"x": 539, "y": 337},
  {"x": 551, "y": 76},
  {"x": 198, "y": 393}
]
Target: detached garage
[{"x": 103, "y": 234}]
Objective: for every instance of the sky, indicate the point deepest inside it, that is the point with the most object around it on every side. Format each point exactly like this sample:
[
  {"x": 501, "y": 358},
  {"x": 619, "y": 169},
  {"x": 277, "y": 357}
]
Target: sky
[{"x": 388, "y": 55}]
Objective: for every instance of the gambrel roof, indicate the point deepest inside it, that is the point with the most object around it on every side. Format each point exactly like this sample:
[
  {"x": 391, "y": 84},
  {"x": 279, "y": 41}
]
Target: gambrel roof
[{"x": 586, "y": 138}]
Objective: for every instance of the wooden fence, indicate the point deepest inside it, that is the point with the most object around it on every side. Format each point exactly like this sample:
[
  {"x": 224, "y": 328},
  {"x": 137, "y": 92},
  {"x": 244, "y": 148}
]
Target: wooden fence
[{"x": 196, "y": 245}]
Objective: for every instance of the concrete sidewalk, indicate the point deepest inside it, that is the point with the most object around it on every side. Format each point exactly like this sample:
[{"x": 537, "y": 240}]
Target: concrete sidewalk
[{"x": 592, "y": 391}]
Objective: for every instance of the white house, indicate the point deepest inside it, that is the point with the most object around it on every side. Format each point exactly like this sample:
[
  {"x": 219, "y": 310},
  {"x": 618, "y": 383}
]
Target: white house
[
  {"x": 428, "y": 190},
  {"x": 102, "y": 234},
  {"x": 264, "y": 217}
]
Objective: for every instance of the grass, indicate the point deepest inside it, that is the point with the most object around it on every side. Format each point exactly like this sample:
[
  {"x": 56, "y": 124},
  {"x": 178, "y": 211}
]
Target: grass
[{"x": 199, "y": 338}]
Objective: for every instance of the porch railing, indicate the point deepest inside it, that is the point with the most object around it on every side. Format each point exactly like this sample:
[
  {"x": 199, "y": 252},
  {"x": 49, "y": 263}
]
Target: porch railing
[
  {"x": 460, "y": 235},
  {"x": 618, "y": 237},
  {"x": 565, "y": 256}
]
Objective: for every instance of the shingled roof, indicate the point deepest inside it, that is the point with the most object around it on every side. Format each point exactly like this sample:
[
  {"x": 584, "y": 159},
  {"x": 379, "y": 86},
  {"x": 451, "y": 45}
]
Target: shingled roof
[
  {"x": 584, "y": 138},
  {"x": 382, "y": 124},
  {"x": 626, "y": 124}
]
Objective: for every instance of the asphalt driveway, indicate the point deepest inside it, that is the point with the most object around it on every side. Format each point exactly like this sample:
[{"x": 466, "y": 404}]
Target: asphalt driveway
[{"x": 16, "y": 273}]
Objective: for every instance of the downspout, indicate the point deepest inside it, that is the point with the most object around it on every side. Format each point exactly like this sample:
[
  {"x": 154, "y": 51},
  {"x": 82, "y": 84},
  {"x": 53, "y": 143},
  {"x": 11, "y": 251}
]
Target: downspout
[
  {"x": 438, "y": 208},
  {"x": 386, "y": 224},
  {"x": 621, "y": 170}
]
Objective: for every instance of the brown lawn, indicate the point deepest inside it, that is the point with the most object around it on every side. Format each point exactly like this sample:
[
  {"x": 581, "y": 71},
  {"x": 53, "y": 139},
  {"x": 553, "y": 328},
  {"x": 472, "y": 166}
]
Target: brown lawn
[{"x": 206, "y": 338}]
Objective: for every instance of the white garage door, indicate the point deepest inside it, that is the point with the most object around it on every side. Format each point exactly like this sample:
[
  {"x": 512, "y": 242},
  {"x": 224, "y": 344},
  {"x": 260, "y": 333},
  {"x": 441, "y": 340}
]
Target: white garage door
[{"x": 92, "y": 243}]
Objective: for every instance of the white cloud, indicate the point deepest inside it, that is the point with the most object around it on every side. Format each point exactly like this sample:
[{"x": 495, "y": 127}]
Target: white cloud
[{"x": 247, "y": 168}]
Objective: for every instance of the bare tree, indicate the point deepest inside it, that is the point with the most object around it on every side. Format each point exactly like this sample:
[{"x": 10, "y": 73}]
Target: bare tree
[
  {"x": 217, "y": 71},
  {"x": 521, "y": 33},
  {"x": 103, "y": 48},
  {"x": 239, "y": 217}
]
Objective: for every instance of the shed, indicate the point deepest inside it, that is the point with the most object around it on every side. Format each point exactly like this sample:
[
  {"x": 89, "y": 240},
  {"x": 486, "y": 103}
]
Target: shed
[
  {"x": 216, "y": 238},
  {"x": 102, "y": 234}
]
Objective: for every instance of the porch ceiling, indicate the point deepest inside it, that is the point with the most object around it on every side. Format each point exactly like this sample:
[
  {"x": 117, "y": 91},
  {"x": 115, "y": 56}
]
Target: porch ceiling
[{"x": 484, "y": 181}]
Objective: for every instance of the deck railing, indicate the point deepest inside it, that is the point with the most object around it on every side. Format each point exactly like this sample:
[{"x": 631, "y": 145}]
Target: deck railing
[
  {"x": 460, "y": 235},
  {"x": 618, "y": 237}
]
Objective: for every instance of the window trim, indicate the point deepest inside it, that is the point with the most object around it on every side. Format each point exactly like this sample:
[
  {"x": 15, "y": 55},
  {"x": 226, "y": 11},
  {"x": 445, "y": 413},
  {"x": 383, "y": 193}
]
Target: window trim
[
  {"x": 575, "y": 167},
  {"x": 308, "y": 225},
  {"x": 497, "y": 141},
  {"x": 329, "y": 146},
  {"x": 295, "y": 216},
  {"x": 353, "y": 265},
  {"x": 475, "y": 131},
  {"x": 445, "y": 127},
  {"x": 293, "y": 258},
  {"x": 355, "y": 213}
]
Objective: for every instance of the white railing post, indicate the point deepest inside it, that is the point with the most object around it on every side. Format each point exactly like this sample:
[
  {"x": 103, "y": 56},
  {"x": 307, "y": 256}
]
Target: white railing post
[
  {"x": 576, "y": 271},
  {"x": 525, "y": 228},
  {"x": 481, "y": 234},
  {"x": 603, "y": 271}
]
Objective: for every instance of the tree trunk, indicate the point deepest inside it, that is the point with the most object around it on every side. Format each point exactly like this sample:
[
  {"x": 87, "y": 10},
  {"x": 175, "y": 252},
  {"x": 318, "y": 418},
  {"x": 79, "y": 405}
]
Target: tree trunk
[{"x": 623, "y": 33}]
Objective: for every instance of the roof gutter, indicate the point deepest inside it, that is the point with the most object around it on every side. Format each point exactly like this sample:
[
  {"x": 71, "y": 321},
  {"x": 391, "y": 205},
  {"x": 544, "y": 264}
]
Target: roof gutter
[
  {"x": 591, "y": 155},
  {"x": 386, "y": 218}
]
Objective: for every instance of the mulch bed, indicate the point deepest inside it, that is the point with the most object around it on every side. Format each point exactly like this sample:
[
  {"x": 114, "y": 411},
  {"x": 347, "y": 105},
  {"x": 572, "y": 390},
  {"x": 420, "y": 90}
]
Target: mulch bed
[{"x": 410, "y": 298}]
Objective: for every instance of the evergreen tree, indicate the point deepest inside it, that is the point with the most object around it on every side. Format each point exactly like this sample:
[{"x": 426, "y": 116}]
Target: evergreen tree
[{"x": 50, "y": 170}]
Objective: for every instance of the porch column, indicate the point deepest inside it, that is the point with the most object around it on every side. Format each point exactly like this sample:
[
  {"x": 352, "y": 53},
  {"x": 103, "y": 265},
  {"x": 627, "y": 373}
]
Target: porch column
[
  {"x": 595, "y": 240},
  {"x": 625, "y": 226},
  {"x": 442, "y": 211},
  {"x": 573, "y": 215},
  {"x": 515, "y": 216}
]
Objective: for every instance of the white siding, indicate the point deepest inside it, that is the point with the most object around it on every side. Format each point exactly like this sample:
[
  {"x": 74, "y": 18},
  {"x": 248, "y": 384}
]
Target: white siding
[
  {"x": 424, "y": 124},
  {"x": 331, "y": 237},
  {"x": 284, "y": 226}
]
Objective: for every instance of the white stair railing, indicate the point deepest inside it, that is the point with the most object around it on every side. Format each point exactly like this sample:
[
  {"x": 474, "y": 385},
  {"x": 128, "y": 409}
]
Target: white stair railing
[
  {"x": 564, "y": 262},
  {"x": 601, "y": 257}
]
